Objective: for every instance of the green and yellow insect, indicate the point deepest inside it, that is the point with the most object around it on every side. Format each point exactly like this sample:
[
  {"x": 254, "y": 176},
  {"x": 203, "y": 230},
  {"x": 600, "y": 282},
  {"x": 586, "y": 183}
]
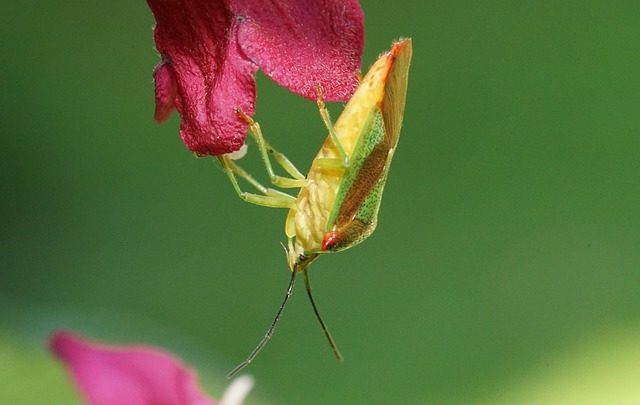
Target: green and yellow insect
[{"x": 337, "y": 206}]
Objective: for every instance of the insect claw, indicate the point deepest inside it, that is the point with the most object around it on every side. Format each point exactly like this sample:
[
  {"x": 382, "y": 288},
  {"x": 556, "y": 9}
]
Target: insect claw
[
  {"x": 243, "y": 116},
  {"x": 320, "y": 95}
]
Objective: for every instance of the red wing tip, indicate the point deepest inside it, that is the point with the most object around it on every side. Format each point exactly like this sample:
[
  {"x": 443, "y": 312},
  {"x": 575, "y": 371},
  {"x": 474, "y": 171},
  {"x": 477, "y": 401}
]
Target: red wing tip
[{"x": 400, "y": 45}]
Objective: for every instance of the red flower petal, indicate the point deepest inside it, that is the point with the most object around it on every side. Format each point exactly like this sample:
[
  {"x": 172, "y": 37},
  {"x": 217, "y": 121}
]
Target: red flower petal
[
  {"x": 301, "y": 44},
  {"x": 110, "y": 375},
  {"x": 197, "y": 39},
  {"x": 212, "y": 49}
]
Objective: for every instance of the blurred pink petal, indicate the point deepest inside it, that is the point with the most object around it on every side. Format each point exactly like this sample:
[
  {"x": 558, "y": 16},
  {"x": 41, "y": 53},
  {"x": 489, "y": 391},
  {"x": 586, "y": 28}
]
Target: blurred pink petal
[
  {"x": 110, "y": 375},
  {"x": 211, "y": 50}
]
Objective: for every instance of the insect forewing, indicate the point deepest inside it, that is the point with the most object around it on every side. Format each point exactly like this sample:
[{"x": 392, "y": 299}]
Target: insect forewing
[
  {"x": 395, "y": 91},
  {"x": 383, "y": 91}
]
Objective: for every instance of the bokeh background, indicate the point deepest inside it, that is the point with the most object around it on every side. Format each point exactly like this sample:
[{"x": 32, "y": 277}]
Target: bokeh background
[{"x": 505, "y": 268}]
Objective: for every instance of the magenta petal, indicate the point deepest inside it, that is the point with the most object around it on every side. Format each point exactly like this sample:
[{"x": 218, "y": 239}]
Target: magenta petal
[
  {"x": 197, "y": 38},
  {"x": 109, "y": 375},
  {"x": 211, "y": 50},
  {"x": 303, "y": 43}
]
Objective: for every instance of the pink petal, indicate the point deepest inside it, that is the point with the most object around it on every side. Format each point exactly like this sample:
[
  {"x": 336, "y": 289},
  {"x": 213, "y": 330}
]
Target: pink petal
[
  {"x": 304, "y": 43},
  {"x": 197, "y": 38},
  {"x": 212, "y": 49},
  {"x": 109, "y": 375}
]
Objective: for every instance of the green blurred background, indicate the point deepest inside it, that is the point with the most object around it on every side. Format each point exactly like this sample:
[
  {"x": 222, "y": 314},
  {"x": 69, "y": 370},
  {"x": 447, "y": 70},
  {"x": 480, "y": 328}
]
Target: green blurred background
[{"x": 505, "y": 267}]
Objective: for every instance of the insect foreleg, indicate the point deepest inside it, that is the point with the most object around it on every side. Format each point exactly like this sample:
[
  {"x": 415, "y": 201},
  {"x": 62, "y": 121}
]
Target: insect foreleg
[
  {"x": 271, "y": 198},
  {"x": 265, "y": 148}
]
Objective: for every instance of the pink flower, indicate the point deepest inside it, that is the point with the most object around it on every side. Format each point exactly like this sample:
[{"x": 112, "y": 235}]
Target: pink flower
[
  {"x": 131, "y": 375},
  {"x": 211, "y": 50}
]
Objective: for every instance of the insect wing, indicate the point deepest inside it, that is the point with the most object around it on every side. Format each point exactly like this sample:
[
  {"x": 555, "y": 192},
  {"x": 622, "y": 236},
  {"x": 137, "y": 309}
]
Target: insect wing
[
  {"x": 395, "y": 91},
  {"x": 355, "y": 212}
]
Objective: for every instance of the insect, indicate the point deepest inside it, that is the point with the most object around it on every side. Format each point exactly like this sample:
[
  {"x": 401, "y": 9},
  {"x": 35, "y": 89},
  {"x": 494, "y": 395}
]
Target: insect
[{"x": 337, "y": 205}]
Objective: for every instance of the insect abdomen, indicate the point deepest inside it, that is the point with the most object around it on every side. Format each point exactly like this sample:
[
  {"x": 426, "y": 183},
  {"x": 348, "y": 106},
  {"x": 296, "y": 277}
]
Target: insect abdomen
[{"x": 307, "y": 220}]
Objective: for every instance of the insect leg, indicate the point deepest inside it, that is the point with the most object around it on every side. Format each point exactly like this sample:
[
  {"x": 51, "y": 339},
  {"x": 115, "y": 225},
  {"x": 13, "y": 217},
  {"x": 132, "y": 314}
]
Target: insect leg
[
  {"x": 332, "y": 343},
  {"x": 298, "y": 178},
  {"x": 324, "y": 113},
  {"x": 284, "y": 162},
  {"x": 269, "y": 333},
  {"x": 271, "y": 198},
  {"x": 329, "y": 163}
]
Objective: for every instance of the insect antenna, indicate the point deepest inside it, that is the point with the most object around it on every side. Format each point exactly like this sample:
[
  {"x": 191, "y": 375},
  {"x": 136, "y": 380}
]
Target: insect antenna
[
  {"x": 332, "y": 343},
  {"x": 269, "y": 333}
]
